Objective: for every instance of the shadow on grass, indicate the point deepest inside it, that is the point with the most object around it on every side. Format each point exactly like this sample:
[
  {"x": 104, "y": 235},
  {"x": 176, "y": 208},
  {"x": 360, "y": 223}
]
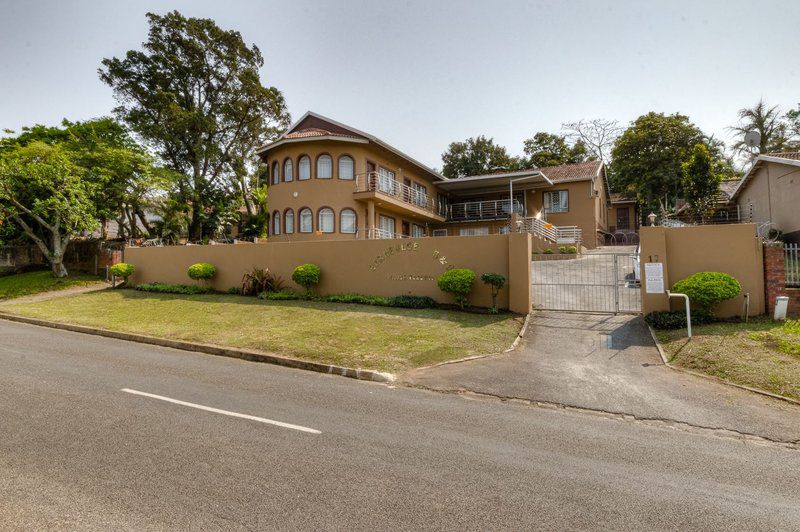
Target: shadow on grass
[{"x": 463, "y": 319}]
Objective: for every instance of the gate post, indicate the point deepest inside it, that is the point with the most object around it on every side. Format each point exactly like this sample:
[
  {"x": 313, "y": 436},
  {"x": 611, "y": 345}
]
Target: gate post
[{"x": 519, "y": 272}]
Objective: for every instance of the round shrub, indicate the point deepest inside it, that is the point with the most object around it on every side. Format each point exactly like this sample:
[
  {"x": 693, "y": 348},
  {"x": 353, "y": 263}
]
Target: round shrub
[
  {"x": 122, "y": 269},
  {"x": 201, "y": 271},
  {"x": 572, "y": 249},
  {"x": 708, "y": 289},
  {"x": 458, "y": 282},
  {"x": 307, "y": 276}
]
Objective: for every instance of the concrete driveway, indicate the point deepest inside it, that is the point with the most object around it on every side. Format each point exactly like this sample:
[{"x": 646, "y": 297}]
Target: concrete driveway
[{"x": 610, "y": 363}]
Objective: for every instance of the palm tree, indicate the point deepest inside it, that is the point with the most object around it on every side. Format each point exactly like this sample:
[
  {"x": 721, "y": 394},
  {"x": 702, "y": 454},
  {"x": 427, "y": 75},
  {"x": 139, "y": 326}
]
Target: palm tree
[{"x": 768, "y": 121}]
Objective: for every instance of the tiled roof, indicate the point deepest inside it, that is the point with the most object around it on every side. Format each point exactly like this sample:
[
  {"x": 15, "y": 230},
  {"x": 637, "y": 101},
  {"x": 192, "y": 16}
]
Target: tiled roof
[
  {"x": 572, "y": 172},
  {"x": 793, "y": 155},
  {"x": 313, "y": 132},
  {"x": 617, "y": 197},
  {"x": 728, "y": 186}
]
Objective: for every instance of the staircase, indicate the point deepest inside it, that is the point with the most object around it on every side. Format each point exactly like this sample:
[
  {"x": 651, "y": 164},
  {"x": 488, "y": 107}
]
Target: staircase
[{"x": 566, "y": 235}]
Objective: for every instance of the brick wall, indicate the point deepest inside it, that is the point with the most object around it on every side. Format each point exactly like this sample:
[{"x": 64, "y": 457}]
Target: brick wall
[{"x": 775, "y": 279}]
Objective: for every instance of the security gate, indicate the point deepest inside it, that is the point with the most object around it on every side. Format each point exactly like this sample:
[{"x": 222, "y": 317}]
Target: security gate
[{"x": 590, "y": 282}]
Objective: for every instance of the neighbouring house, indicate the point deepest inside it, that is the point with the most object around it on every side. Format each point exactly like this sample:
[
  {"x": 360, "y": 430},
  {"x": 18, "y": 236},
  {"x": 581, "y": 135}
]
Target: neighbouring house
[
  {"x": 329, "y": 180},
  {"x": 624, "y": 218},
  {"x": 769, "y": 193}
]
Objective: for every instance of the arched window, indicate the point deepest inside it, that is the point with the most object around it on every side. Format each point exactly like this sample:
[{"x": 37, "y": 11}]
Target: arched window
[
  {"x": 304, "y": 168},
  {"x": 347, "y": 221},
  {"x": 326, "y": 220},
  {"x": 306, "y": 220},
  {"x": 324, "y": 167},
  {"x": 287, "y": 170},
  {"x": 288, "y": 221},
  {"x": 276, "y": 175},
  {"x": 346, "y": 167},
  {"x": 276, "y": 223}
]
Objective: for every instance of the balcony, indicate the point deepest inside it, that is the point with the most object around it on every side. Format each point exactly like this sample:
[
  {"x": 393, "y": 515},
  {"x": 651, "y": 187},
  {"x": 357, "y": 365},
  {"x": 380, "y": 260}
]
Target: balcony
[
  {"x": 374, "y": 185},
  {"x": 483, "y": 210}
]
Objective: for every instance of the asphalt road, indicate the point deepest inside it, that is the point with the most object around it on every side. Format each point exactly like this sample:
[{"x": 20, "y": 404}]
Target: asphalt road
[{"x": 78, "y": 452}]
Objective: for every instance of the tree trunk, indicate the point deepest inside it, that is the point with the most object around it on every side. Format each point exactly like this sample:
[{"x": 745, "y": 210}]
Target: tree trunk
[
  {"x": 143, "y": 220},
  {"x": 196, "y": 225},
  {"x": 58, "y": 268}
]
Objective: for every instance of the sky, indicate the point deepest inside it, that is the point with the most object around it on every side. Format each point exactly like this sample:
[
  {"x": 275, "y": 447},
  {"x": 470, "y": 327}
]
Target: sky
[{"x": 422, "y": 74}]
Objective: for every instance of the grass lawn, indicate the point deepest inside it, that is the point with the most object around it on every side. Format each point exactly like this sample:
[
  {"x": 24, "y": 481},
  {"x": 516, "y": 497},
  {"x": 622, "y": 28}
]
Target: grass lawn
[
  {"x": 25, "y": 284},
  {"x": 762, "y": 354},
  {"x": 358, "y": 336}
]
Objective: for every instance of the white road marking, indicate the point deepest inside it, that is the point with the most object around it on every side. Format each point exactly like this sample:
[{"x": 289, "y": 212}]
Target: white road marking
[{"x": 223, "y": 412}]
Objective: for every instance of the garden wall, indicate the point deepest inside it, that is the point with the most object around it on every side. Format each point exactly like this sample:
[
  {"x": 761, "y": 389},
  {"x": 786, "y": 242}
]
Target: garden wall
[
  {"x": 732, "y": 249},
  {"x": 370, "y": 267}
]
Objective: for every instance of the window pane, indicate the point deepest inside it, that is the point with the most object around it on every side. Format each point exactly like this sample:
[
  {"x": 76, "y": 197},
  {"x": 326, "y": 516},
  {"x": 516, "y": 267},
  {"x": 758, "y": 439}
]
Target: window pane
[
  {"x": 324, "y": 167},
  {"x": 288, "y": 220},
  {"x": 287, "y": 170},
  {"x": 385, "y": 227},
  {"x": 346, "y": 168},
  {"x": 386, "y": 181},
  {"x": 305, "y": 221},
  {"x": 326, "y": 220},
  {"x": 276, "y": 177},
  {"x": 417, "y": 231},
  {"x": 304, "y": 168},
  {"x": 276, "y": 223},
  {"x": 347, "y": 222}
]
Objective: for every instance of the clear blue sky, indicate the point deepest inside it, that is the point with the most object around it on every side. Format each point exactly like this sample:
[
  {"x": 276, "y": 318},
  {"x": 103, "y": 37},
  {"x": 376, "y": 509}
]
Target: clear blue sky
[{"x": 420, "y": 74}]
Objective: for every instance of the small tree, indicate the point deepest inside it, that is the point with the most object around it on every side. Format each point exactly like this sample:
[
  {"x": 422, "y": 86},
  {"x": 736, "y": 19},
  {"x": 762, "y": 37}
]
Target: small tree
[
  {"x": 701, "y": 182},
  {"x": 458, "y": 282},
  {"x": 122, "y": 269},
  {"x": 47, "y": 195},
  {"x": 307, "y": 276},
  {"x": 496, "y": 282}
]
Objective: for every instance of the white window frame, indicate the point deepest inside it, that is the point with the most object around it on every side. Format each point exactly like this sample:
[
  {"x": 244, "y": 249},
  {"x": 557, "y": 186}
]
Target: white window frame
[
  {"x": 327, "y": 157},
  {"x": 288, "y": 222},
  {"x": 304, "y": 168},
  {"x": 276, "y": 173},
  {"x": 417, "y": 231},
  {"x": 276, "y": 223},
  {"x": 561, "y": 201},
  {"x": 352, "y": 171},
  {"x": 288, "y": 170},
  {"x": 309, "y": 219},
  {"x": 439, "y": 232},
  {"x": 321, "y": 223},
  {"x": 385, "y": 232},
  {"x": 473, "y": 231},
  {"x": 387, "y": 181},
  {"x": 343, "y": 228}
]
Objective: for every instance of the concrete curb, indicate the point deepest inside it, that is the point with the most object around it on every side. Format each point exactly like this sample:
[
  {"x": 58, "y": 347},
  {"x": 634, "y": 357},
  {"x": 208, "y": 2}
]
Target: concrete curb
[
  {"x": 210, "y": 349},
  {"x": 715, "y": 379},
  {"x": 514, "y": 345}
]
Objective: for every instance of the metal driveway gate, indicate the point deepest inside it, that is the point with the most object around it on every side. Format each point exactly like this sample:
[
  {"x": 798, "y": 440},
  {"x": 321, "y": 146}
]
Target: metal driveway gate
[{"x": 591, "y": 282}]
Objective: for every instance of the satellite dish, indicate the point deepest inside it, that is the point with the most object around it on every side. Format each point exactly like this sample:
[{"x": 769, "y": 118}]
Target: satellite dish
[{"x": 752, "y": 138}]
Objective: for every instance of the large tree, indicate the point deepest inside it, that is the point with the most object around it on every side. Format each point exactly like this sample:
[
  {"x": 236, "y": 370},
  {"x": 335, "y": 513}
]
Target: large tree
[
  {"x": 46, "y": 193},
  {"x": 194, "y": 94},
  {"x": 648, "y": 158},
  {"x": 598, "y": 135},
  {"x": 793, "y": 119},
  {"x": 474, "y": 156},
  {"x": 701, "y": 179},
  {"x": 768, "y": 122},
  {"x": 546, "y": 149}
]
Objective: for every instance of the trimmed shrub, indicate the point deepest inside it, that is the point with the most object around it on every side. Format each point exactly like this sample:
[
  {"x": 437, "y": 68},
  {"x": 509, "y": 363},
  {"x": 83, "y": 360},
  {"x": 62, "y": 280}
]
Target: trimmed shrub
[
  {"x": 283, "y": 295},
  {"x": 307, "y": 276},
  {"x": 201, "y": 271},
  {"x": 412, "y": 302},
  {"x": 496, "y": 282},
  {"x": 548, "y": 251},
  {"x": 562, "y": 250},
  {"x": 163, "y": 288},
  {"x": 458, "y": 282},
  {"x": 260, "y": 280},
  {"x": 707, "y": 289},
  {"x": 572, "y": 249},
  {"x": 676, "y": 319},
  {"x": 122, "y": 269}
]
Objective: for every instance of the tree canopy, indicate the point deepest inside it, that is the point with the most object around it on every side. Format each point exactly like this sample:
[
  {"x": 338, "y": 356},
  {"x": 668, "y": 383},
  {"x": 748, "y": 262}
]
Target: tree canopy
[
  {"x": 194, "y": 95},
  {"x": 701, "y": 179},
  {"x": 474, "y": 156},
  {"x": 768, "y": 122},
  {"x": 547, "y": 149}
]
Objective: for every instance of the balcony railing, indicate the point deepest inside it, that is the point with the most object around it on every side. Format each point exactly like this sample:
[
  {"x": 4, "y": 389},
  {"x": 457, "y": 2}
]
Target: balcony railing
[
  {"x": 565, "y": 234},
  {"x": 377, "y": 182},
  {"x": 483, "y": 210}
]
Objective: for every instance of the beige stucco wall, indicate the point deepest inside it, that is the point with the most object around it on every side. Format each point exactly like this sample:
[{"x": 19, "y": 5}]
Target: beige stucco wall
[
  {"x": 732, "y": 249},
  {"x": 371, "y": 267},
  {"x": 773, "y": 193},
  {"x": 587, "y": 206}
]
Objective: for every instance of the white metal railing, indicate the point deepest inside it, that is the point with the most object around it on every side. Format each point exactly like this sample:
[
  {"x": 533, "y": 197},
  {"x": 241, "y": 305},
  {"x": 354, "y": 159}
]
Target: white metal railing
[
  {"x": 372, "y": 234},
  {"x": 564, "y": 234},
  {"x": 792, "y": 254},
  {"x": 385, "y": 184},
  {"x": 484, "y": 210}
]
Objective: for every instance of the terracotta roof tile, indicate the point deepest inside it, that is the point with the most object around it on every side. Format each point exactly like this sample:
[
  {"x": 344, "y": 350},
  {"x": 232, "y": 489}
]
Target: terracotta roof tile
[
  {"x": 617, "y": 197},
  {"x": 571, "y": 172},
  {"x": 793, "y": 155},
  {"x": 313, "y": 132}
]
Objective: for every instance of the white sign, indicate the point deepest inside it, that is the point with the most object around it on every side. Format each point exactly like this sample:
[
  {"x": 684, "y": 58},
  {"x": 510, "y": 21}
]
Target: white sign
[{"x": 654, "y": 277}]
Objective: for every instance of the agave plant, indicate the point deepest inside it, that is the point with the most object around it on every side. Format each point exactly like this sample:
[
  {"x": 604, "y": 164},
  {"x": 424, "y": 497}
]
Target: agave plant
[{"x": 260, "y": 280}]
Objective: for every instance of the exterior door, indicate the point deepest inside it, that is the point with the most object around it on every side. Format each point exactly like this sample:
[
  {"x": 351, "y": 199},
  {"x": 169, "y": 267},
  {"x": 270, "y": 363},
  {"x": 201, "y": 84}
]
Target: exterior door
[
  {"x": 406, "y": 228},
  {"x": 623, "y": 218}
]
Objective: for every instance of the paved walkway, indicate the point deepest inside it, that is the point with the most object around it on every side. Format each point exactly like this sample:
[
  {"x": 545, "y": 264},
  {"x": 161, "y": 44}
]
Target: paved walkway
[
  {"x": 609, "y": 363},
  {"x": 53, "y": 294}
]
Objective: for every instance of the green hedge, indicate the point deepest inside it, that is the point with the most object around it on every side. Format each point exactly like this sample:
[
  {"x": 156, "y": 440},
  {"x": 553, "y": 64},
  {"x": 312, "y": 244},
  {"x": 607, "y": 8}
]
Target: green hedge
[
  {"x": 676, "y": 319},
  {"x": 360, "y": 299},
  {"x": 412, "y": 302},
  {"x": 163, "y": 288}
]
